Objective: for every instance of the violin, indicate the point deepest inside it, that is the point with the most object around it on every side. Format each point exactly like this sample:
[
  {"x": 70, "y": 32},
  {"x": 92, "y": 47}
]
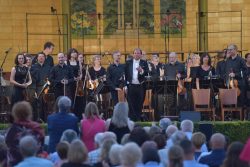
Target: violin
[
  {"x": 233, "y": 84},
  {"x": 79, "y": 88},
  {"x": 181, "y": 90}
]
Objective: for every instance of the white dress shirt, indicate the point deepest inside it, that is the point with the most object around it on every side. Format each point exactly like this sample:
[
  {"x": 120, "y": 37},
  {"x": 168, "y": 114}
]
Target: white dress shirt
[{"x": 135, "y": 71}]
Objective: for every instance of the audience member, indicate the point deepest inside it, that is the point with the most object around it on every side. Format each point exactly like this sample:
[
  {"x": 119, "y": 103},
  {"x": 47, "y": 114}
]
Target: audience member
[
  {"x": 62, "y": 150},
  {"x": 91, "y": 124},
  {"x": 125, "y": 139},
  {"x": 160, "y": 140},
  {"x": 114, "y": 154},
  {"x": 61, "y": 121},
  {"x": 232, "y": 157},
  {"x": 94, "y": 155},
  {"x": 171, "y": 129},
  {"x": 3, "y": 155},
  {"x": 154, "y": 130},
  {"x": 175, "y": 156},
  {"x": 120, "y": 123},
  {"x": 77, "y": 155},
  {"x": 198, "y": 139},
  {"x": 130, "y": 155},
  {"x": 138, "y": 135},
  {"x": 164, "y": 123},
  {"x": 22, "y": 113},
  {"x": 150, "y": 157},
  {"x": 28, "y": 148},
  {"x": 218, "y": 153},
  {"x": 188, "y": 150}
]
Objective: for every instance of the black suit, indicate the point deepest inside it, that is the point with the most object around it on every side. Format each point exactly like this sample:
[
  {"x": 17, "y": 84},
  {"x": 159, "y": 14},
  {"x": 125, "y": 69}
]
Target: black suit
[{"x": 135, "y": 91}]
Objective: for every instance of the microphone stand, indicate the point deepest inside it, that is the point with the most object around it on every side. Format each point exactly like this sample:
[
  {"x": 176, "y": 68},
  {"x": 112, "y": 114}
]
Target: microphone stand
[{"x": 54, "y": 11}]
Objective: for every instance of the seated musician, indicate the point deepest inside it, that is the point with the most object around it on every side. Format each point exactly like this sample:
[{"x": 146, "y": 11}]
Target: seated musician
[
  {"x": 60, "y": 76},
  {"x": 235, "y": 69},
  {"x": 204, "y": 71},
  {"x": 115, "y": 76}
]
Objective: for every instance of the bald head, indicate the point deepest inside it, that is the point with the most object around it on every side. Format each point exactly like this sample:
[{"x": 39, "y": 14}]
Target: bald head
[
  {"x": 172, "y": 57},
  {"x": 218, "y": 141}
]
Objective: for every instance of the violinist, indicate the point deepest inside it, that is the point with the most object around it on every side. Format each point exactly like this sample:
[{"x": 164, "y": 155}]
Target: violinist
[
  {"x": 115, "y": 76},
  {"x": 235, "y": 69},
  {"x": 20, "y": 78},
  {"x": 40, "y": 73},
  {"x": 204, "y": 71},
  {"x": 61, "y": 76},
  {"x": 47, "y": 50},
  {"x": 220, "y": 67}
]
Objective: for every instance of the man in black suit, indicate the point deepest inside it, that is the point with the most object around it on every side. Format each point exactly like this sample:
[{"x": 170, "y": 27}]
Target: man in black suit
[{"x": 135, "y": 71}]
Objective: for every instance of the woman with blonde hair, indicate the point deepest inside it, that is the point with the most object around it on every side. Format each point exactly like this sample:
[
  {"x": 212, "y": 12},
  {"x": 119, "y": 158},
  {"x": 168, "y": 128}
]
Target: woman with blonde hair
[
  {"x": 96, "y": 71},
  {"x": 77, "y": 155},
  {"x": 91, "y": 124}
]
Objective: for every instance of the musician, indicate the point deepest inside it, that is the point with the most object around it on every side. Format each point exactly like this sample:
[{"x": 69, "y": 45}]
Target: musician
[
  {"x": 81, "y": 61},
  {"x": 204, "y": 71},
  {"x": 193, "y": 68},
  {"x": 47, "y": 50},
  {"x": 28, "y": 60},
  {"x": 39, "y": 73},
  {"x": 135, "y": 72},
  {"x": 115, "y": 76},
  {"x": 20, "y": 78},
  {"x": 61, "y": 76},
  {"x": 76, "y": 68},
  {"x": 220, "y": 67},
  {"x": 96, "y": 71},
  {"x": 235, "y": 67},
  {"x": 156, "y": 69},
  {"x": 247, "y": 57},
  {"x": 174, "y": 68}
]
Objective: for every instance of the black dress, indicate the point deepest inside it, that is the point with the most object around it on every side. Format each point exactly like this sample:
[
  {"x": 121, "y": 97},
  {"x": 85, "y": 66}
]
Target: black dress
[
  {"x": 21, "y": 77},
  {"x": 203, "y": 76},
  {"x": 96, "y": 74},
  {"x": 120, "y": 132}
]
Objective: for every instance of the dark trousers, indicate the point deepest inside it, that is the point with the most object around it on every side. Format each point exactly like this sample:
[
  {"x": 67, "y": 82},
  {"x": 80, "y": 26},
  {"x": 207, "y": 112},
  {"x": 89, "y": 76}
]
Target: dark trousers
[
  {"x": 135, "y": 101},
  {"x": 114, "y": 95}
]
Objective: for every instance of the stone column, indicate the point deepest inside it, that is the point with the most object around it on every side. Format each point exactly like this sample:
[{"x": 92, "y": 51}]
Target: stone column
[{"x": 203, "y": 24}]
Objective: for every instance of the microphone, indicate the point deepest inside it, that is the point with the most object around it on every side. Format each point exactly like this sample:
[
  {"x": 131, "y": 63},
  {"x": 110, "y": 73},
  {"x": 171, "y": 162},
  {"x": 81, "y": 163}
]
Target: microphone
[
  {"x": 52, "y": 9},
  {"x": 7, "y": 51}
]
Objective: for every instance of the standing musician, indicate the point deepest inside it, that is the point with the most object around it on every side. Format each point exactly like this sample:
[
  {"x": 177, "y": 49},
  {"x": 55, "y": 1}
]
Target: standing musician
[
  {"x": 204, "y": 71},
  {"x": 115, "y": 76},
  {"x": 40, "y": 73},
  {"x": 220, "y": 67},
  {"x": 247, "y": 57},
  {"x": 96, "y": 71},
  {"x": 135, "y": 71},
  {"x": 61, "y": 76},
  {"x": 20, "y": 78},
  {"x": 235, "y": 68},
  {"x": 47, "y": 50}
]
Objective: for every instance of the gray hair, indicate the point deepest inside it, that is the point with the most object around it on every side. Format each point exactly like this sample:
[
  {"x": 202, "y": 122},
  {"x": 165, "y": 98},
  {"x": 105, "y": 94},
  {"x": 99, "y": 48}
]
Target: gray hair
[
  {"x": 164, "y": 123},
  {"x": 64, "y": 103},
  {"x": 171, "y": 129},
  {"x": 109, "y": 136},
  {"x": 177, "y": 137},
  {"x": 114, "y": 153},
  {"x": 120, "y": 114},
  {"x": 69, "y": 135},
  {"x": 187, "y": 126},
  {"x": 99, "y": 138},
  {"x": 130, "y": 154},
  {"x": 172, "y": 53},
  {"x": 28, "y": 146}
]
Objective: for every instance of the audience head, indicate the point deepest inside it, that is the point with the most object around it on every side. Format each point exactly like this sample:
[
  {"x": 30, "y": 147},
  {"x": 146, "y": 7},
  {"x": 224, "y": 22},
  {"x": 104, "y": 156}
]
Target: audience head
[
  {"x": 187, "y": 126},
  {"x": 175, "y": 156},
  {"x": 160, "y": 140},
  {"x": 138, "y": 135},
  {"x": 28, "y": 146},
  {"x": 91, "y": 111},
  {"x": 198, "y": 139},
  {"x": 232, "y": 157},
  {"x": 120, "y": 114},
  {"x": 218, "y": 141},
  {"x": 171, "y": 129},
  {"x": 69, "y": 135},
  {"x": 149, "y": 152},
  {"x": 62, "y": 149},
  {"x": 125, "y": 139},
  {"x": 188, "y": 149},
  {"x": 109, "y": 136},
  {"x": 98, "y": 139},
  {"x": 64, "y": 104},
  {"x": 130, "y": 154},
  {"x": 114, "y": 154},
  {"x": 178, "y": 136},
  {"x": 154, "y": 130},
  {"x": 105, "y": 148},
  {"x": 22, "y": 111},
  {"x": 164, "y": 123},
  {"x": 78, "y": 152}
]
